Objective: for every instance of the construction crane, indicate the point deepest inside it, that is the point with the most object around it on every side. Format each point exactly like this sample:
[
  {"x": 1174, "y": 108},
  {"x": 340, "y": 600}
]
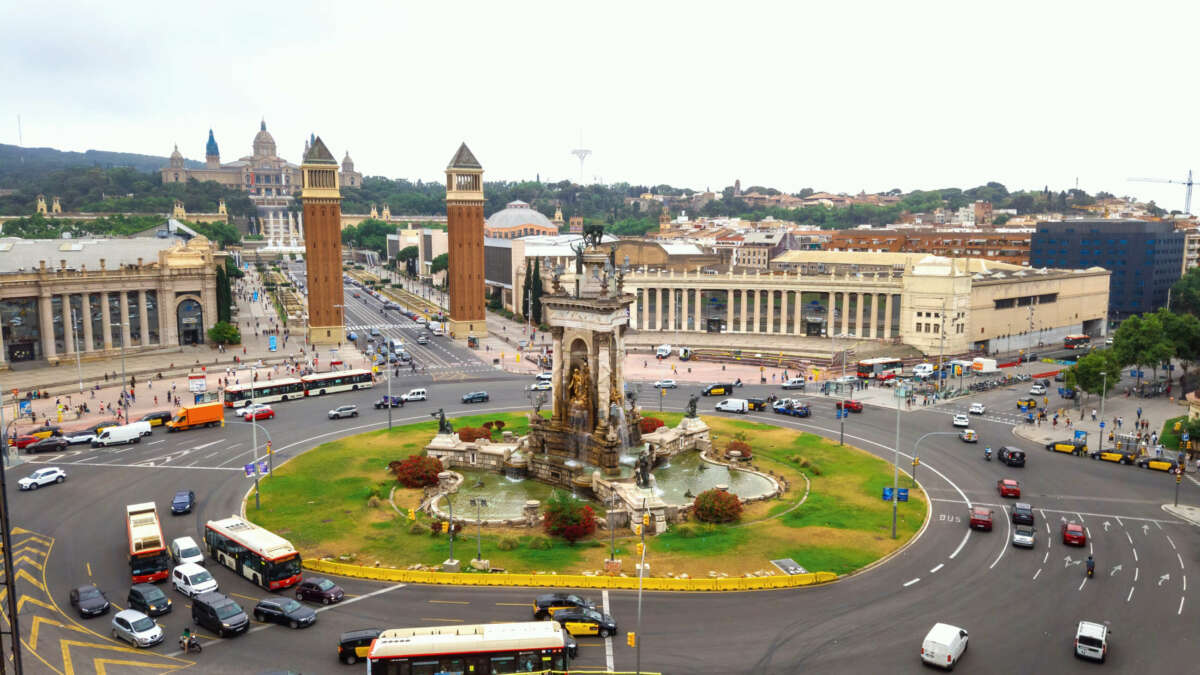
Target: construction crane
[{"x": 1187, "y": 200}]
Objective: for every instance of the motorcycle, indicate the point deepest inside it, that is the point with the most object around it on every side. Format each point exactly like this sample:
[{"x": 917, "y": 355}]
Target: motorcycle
[
  {"x": 189, "y": 644},
  {"x": 1091, "y": 568},
  {"x": 987, "y": 454}
]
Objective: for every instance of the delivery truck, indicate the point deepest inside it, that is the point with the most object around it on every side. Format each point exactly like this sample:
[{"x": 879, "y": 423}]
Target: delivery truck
[{"x": 206, "y": 415}]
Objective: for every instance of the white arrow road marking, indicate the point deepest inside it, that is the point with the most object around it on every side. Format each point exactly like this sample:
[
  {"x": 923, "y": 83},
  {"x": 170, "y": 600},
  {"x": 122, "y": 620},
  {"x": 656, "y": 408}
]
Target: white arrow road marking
[
  {"x": 1067, "y": 562},
  {"x": 1114, "y": 570},
  {"x": 1164, "y": 579},
  {"x": 1107, "y": 525},
  {"x": 1145, "y": 528}
]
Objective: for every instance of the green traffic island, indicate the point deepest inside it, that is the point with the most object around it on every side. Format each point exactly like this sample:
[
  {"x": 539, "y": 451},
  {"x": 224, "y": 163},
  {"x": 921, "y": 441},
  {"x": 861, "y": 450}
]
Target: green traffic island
[{"x": 364, "y": 500}]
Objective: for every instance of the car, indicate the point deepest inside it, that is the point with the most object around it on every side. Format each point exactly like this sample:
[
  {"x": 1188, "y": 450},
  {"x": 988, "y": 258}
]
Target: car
[
  {"x": 1024, "y": 536},
  {"x": 243, "y": 408},
  {"x": 185, "y": 550},
  {"x": 791, "y": 406},
  {"x": 961, "y": 421},
  {"x": 1118, "y": 456},
  {"x": 1070, "y": 446},
  {"x": 136, "y": 628},
  {"x": 422, "y": 339},
  {"x": 89, "y": 601},
  {"x": 795, "y": 383},
  {"x": 1108, "y": 341},
  {"x": 79, "y": 436},
  {"x": 263, "y": 413},
  {"x": 192, "y": 579},
  {"x": 977, "y": 409},
  {"x": 717, "y": 390},
  {"x": 46, "y": 431},
  {"x": 374, "y": 332},
  {"x": 1091, "y": 639},
  {"x": 968, "y": 436},
  {"x": 101, "y": 426},
  {"x": 1022, "y": 514},
  {"x": 756, "y": 403},
  {"x": 157, "y": 418},
  {"x": 182, "y": 502},
  {"x": 1073, "y": 534},
  {"x": 46, "y": 476},
  {"x": 944, "y": 645},
  {"x": 52, "y": 444},
  {"x": 1060, "y": 376},
  {"x": 148, "y": 598},
  {"x": 665, "y": 384},
  {"x": 980, "y": 519},
  {"x": 586, "y": 621},
  {"x": 415, "y": 395},
  {"x": 1066, "y": 393},
  {"x": 546, "y": 604},
  {"x": 219, "y": 614},
  {"x": 352, "y": 336},
  {"x": 319, "y": 589},
  {"x": 354, "y": 645},
  {"x": 850, "y": 404},
  {"x": 1037, "y": 390},
  {"x": 475, "y": 397},
  {"x": 1009, "y": 488},
  {"x": 285, "y": 611},
  {"x": 1027, "y": 403},
  {"x": 23, "y": 441},
  {"x": 343, "y": 411},
  {"x": 1158, "y": 463},
  {"x": 1011, "y": 456},
  {"x": 389, "y": 402}
]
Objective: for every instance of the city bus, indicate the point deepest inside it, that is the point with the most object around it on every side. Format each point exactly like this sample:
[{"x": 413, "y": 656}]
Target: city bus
[
  {"x": 268, "y": 391},
  {"x": 257, "y": 554},
  {"x": 1076, "y": 341},
  {"x": 319, "y": 384},
  {"x": 147, "y": 549},
  {"x": 483, "y": 649},
  {"x": 882, "y": 368}
]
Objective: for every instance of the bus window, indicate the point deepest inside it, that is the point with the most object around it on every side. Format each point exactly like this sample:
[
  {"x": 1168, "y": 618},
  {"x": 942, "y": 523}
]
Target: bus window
[
  {"x": 528, "y": 662},
  {"x": 504, "y": 664},
  {"x": 427, "y": 668}
]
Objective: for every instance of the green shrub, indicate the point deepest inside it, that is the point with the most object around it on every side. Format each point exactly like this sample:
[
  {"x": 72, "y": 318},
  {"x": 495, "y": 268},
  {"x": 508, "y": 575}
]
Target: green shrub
[
  {"x": 567, "y": 517},
  {"x": 685, "y": 531},
  {"x": 418, "y": 528},
  {"x": 539, "y": 543},
  {"x": 507, "y": 544}
]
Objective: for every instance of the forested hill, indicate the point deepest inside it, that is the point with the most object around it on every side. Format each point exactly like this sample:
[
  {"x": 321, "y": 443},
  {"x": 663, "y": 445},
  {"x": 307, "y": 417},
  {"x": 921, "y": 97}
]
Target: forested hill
[{"x": 17, "y": 162}]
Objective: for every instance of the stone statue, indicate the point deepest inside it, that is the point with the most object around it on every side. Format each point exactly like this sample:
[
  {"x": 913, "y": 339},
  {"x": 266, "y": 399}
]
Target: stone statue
[
  {"x": 581, "y": 386},
  {"x": 642, "y": 474},
  {"x": 592, "y": 234},
  {"x": 579, "y": 249},
  {"x": 614, "y": 395},
  {"x": 444, "y": 427},
  {"x": 691, "y": 406}
]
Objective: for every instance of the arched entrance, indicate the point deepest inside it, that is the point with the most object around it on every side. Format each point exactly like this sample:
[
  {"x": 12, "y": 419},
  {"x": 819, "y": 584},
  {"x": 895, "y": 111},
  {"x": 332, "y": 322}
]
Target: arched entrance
[{"x": 189, "y": 316}]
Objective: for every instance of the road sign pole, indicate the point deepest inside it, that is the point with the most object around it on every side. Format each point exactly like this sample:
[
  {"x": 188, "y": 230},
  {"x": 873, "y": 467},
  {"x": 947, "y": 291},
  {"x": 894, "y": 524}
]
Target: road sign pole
[{"x": 1178, "y": 480}]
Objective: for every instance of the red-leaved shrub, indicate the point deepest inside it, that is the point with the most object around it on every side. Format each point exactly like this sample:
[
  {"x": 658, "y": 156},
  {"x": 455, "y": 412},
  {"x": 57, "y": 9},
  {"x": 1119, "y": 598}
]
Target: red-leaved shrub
[
  {"x": 468, "y": 434},
  {"x": 741, "y": 447},
  {"x": 717, "y": 506},
  {"x": 567, "y": 517},
  {"x": 417, "y": 471},
  {"x": 649, "y": 424}
]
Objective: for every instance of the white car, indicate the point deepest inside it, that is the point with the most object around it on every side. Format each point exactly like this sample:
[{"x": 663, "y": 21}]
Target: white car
[
  {"x": 539, "y": 386},
  {"x": 415, "y": 395},
  {"x": 192, "y": 579},
  {"x": 944, "y": 645},
  {"x": 961, "y": 421},
  {"x": 1091, "y": 641},
  {"x": 46, "y": 476},
  {"x": 247, "y": 408},
  {"x": 136, "y": 628},
  {"x": 665, "y": 384},
  {"x": 1037, "y": 390},
  {"x": 977, "y": 409},
  {"x": 185, "y": 550},
  {"x": 77, "y": 437}
]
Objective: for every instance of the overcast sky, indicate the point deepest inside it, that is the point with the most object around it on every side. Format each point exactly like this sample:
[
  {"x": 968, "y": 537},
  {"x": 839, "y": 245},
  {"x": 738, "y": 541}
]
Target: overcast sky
[{"x": 840, "y": 96}]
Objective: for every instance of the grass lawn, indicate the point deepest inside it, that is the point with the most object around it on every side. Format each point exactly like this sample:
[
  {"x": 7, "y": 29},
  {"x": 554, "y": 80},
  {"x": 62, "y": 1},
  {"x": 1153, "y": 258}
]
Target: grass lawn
[
  {"x": 321, "y": 501},
  {"x": 1168, "y": 436}
]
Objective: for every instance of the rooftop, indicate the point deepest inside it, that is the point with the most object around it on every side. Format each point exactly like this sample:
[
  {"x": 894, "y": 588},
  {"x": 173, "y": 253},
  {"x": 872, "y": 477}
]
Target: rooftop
[{"x": 23, "y": 255}]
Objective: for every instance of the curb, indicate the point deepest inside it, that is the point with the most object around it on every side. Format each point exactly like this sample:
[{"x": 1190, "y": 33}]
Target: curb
[{"x": 1190, "y": 514}]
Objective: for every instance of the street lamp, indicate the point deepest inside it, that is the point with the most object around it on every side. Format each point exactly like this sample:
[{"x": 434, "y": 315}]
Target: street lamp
[
  {"x": 842, "y": 411},
  {"x": 896, "y": 464},
  {"x": 479, "y": 503},
  {"x": 1103, "y": 395},
  {"x": 75, "y": 339},
  {"x": 124, "y": 394}
]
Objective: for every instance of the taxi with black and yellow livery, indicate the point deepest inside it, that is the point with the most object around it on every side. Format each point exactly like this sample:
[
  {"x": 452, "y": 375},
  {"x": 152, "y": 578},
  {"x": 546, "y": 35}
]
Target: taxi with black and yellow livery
[
  {"x": 1027, "y": 403},
  {"x": 44, "y": 432},
  {"x": 548, "y": 604},
  {"x": 586, "y": 621},
  {"x": 1158, "y": 463},
  {"x": 1118, "y": 456},
  {"x": 1071, "y": 447},
  {"x": 717, "y": 390}
]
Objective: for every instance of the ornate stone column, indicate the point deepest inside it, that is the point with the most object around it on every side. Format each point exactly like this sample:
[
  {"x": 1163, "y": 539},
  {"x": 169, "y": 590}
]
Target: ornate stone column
[
  {"x": 644, "y": 293},
  {"x": 887, "y": 316},
  {"x": 743, "y": 325},
  {"x": 699, "y": 310},
  {"x": 771, "y": 310},
  {"x": 757, "y": 310},
  {"x": 106, "y": 320},
  {"x": 683, "y": 310},
  {"x": 671, "y": 309},
  {"x": 858, "y": 314},
  {"x": 125, "y": 332},
  {"x": 559, "y": 392},
  {"x": 85, "y": 318},
  {"x": 68, "y": 325},
  {"x": 658, "y": 313},
  {"x": 728, "y": 310},
  {"x": 798, "y": 312},
  {"x": 144, "y": 319},
  {"x": 845, "y": 313},
  {"x": 830, "y": 329},
  {"x": 46, "y": 324},
  {"x": 603, "y": 375}
]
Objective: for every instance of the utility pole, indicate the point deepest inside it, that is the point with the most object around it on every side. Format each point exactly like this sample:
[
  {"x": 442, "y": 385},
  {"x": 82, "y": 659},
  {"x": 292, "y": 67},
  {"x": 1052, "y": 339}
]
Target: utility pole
[
  {"x": 75, "y": 335},
  {"x": 253, "y": 446},
  {"x": 942, "y": 348},
  {"x": 1103, "y": 391},
  {"x": 1029, "y": 347},
  {"x": 6, "y": 527},
  {"x": 896, "y": 459},
  {"x": 641, "y": 575}
]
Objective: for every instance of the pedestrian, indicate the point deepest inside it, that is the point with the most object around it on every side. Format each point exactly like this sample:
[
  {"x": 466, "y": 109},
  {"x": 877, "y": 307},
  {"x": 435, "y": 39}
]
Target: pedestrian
[
  {"x": 156, "y": 400},
  {"x": 1139, "y": 412},
  {"x": 1093, "y": 414},
  {"x": 1120, "y": 420}
]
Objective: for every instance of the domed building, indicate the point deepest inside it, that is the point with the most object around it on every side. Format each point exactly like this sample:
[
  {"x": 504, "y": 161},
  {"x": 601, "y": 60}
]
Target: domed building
[{"x": 517, "y": 219}]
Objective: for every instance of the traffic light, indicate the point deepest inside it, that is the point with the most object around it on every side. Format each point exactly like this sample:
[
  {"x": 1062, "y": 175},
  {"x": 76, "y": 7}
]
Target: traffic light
[
  {"x": 637, "y": 530},
  {"x": 222, "y": 422},
  {"x": 641, "y": 549},
  {"x": 645, "y": 520},
  {"x": 445, "y": 526},
  {"x": 412, "y": 514},
  {"x": 268, "y": 447},
  {"x": 631, "y": 639}
]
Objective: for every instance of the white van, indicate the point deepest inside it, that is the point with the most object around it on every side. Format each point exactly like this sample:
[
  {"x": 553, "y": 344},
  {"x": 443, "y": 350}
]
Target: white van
[
  {"x": 737, "y": 405},
  {"x": 544, "y": 377},
  {"x": 396, "y": 345},
  {"x": 415, "y": 395},
  {"x": 437, "y": 329},
  {"x": 126, "y": 433},
  {"x": 192, "y": 579},
  {"x": 185, "y": 550},
  {"x": 662, "y": 351},
  {"x": 944, "y": 645},
  {"x": 922, "y": 370},
  {"x": 1091, "y": 641}
]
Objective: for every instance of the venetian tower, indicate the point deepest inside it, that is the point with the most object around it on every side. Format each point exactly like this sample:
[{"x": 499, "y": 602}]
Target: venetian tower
[
  {"x": 322, "y": 200},
  {"x": 464, "y": 234}
]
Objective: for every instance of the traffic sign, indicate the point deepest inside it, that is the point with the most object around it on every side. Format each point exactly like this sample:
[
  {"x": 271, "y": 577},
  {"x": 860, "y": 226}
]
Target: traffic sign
[
  {"x": 1186, "y": 437},
  {"x": 902, "y": 495},
  {"x": 887, "y": 494},
  {"x": 1102, "y": 425}
]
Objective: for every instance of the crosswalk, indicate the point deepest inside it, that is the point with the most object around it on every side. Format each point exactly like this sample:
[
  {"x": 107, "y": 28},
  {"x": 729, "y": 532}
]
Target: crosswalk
[
  {"x": 1001, "y": 417},
  {"x": 379, "y": 326}
]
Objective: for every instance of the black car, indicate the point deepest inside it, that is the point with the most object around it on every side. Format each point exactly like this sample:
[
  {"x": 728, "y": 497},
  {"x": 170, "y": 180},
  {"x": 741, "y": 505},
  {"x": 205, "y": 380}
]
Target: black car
[
  {"x": 390, "y": 402},
  {"x": 756, "y": 403},
  {"x": 717, "y": 390},
  {"x": 1067, "y": 393},
  {"x": 547, "y": 604},
  {"x": 475, "y": 397},
  {"x": 101, "y": 426},
  {"x": 148, "y": 599},
  {"x": 584, "y": 621},
  {"x": 183, "y": 501},
  {"x": 286, "y": 611},
  {"x": 354, "y": 645},
  {"x": 219, "y": 614},
  {"x": 319, "y": 589},
  {"x": 89, "y": 600},
  {"x": 52, "y": 444},
  {"x": 1022, "y": 514},
  {"x": 1012, "y": 456}
]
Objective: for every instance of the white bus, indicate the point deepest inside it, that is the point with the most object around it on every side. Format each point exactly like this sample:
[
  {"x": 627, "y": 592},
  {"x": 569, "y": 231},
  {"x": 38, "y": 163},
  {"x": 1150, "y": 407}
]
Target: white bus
[
  {"x": 269, "y": 391},
  {"x": 882, "y": 368},
  {"x": 483, "y": 649},
  {"x": 319, "y": 384},
  {"x": 257, "y": 554}
]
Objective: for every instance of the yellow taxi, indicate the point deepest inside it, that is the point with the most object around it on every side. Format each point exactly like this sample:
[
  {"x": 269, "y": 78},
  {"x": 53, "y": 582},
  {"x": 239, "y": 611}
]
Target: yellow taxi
[
  {"x": 1070, "y": 447},
  {"x": 1158, "y": 463},
  {"x": 45, "y": 432},
  {"x": 1027, "y": 403},
  {"x": 1118, "y": 456}
]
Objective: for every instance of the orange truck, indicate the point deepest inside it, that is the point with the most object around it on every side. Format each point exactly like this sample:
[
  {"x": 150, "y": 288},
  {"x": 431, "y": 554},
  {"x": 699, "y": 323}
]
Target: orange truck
[{"x": 206, "y": 415}]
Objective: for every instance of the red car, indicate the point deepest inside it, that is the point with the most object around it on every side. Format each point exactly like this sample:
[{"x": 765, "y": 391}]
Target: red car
[
  {"x": 1008, "y": 487},
  {"x": 851, "y": 405},
  {"x": 22, "y": 441},
  {"x": 260, "y": 414},
  {"x": 1073, "y": 534},
  {"x": 981, "y": 518}
]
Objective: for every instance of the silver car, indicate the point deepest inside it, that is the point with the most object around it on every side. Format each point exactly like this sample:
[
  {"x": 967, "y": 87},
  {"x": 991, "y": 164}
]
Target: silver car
[
  {"x": 343, "y": 411},
  {"x": 1023, "y": 536},
  {"x": 136, "y": 628}
]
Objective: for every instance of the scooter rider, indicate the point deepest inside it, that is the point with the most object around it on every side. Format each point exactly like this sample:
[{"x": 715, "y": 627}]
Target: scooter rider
[
  {"x": 987, "y": 453},
  {"x": 1091, "y": 566}
]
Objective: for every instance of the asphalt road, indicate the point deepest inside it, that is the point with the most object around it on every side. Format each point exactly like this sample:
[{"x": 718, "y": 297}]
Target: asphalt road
[{"x": 1019, "y": 605}]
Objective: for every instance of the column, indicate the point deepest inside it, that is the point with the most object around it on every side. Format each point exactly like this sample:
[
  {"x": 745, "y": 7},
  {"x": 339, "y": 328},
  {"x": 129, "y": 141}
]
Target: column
[
  {"x": 68, "y": 325},
  {"x": 887, "y": 316},
  {"x": 658, "y": 324},
  {"x": 798, "y": 311},
  {"x": 106, "y": 321},
  {"x": 46, "y": 322},
  {"x": 557, "y": 393},
  {"x": 125, "y": 332},
  {"x": 743, "y": 325},
  {"x": 699, "y": 311},
  {"x": 858, "y": 315},
  {"x": 144, "y": 319},
  {"x": 728, "y": 310},
  {"x": 603, "y": 380},
  {"x": 771, "y": 311},
  {"x": 683, "y": 310},
  {"x": 85, "y": 318},
  {"x": 3, "y": 355},
  {"x": 671, "y": 309},
  {"x": 645, "y": 323},
  {"x": 845, "y": 313},
  {"x": 757, "y": 309},
  {"x": 830, "y": 329}
]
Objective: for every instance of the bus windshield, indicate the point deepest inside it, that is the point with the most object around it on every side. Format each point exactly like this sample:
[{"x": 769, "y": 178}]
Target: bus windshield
[
  {"x": 282, "y": 569},
  {"x": 141, "y": 565}
]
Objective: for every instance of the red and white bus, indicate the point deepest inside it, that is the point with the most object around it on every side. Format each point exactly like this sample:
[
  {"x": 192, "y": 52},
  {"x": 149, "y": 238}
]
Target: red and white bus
[
  {"x": 147, "y": 549},
  {"x": 257, "y": 554},
  {"x": 1076, "y": 341},
  {"x": 319, "y": 384},
  {"x": 882, "y": 368},
  {"x": 268, "y": 391},
  {"x": 483, "y": 649}
]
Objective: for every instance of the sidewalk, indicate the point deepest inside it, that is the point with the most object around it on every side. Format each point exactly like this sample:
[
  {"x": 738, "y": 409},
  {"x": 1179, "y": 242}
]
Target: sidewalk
[{"x": 1117, "y": 405}]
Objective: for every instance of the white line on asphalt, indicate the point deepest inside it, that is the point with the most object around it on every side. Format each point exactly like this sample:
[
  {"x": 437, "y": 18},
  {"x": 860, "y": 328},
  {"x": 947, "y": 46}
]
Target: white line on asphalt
[
  {"x": 1159, "y": 526},
  {"x": 608, "y": 649},
  {"x": 231, "y": 447},
  {"x": 1180, "y": 606},
  {"x": 161, "y": 440},
  {"x": 201, "y": 447},
  {"x": 1035, "y": 574},
  {"x": 1170, "y": 541},
  {"x": 1082, "y": 584},
  {"x": 1086, "y": 513},
  {"x": 1129, "y": 538},
  {"x": 1136, "y": 571},
  {"x": 1044, "y": 517},
  {"x": 1047, "y": 525},
  {"x": 1119, "y": 521},
  {"x": 934, "y": 570},
  {"x": 148, "y": 466},
  {"x": 911, "y": 582},
  {"x": 1045, "y": 557},
  {"x": 212, "y": 454},
  {"x": 1088, "y": 530},
  {"x": 1080, "y": 517},
  {"x": 1135, "y": 558},
  {"x": 1130, "y": 596},
  {"x": 1007, "y": 537},
  {"x": 1180, "y": 560}
]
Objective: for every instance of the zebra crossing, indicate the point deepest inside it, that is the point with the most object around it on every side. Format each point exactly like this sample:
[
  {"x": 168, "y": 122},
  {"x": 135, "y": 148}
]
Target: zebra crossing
[
  {"x": 1003, "y": 418},
  {"x": 378, "y": 326}
]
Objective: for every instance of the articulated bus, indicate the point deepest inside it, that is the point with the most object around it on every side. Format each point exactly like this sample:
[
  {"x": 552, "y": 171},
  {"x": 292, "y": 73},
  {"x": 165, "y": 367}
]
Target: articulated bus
[
  {"x": 484, "y": 649},
  {"x": 1076, "y": 341},
  {"x": 882, "y": 368},
  {"x": 257, "y": 554},
  {"x": 319, "y": 384},
  {"x": 147, "y": 549},
  {"x": 268, "y": 391}
]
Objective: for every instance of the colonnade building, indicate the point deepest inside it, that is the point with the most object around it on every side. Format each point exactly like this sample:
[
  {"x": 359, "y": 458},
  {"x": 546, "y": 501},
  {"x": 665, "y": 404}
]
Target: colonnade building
[
  {"x": 60, "y": 296},
  {"x": 930, "y": 303}
]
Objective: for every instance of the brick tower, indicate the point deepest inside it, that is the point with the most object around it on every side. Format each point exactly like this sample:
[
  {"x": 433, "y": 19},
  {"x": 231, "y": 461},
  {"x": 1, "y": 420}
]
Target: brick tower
[
  {"x": 464, "y": 229},
  {"x": 322, "y": 200}
]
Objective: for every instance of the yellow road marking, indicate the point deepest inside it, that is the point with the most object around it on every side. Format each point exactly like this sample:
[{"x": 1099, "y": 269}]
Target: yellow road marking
[
  {"x": 245, "y": 596},
  {"x": 29, "y": 549},
  {"x": 29, "y": 577},
  {"x": 36, "y": 625},
  {"x": 100, "y": 664},
  {"x": 430, "y": 618},
  {"x": 89, "y": 568},
  {"x": 29, "y": 560},
  {"x": 69, "y": 667},
  {"x": 25, "y": 598},
  {"x": 451, "y": 602}
]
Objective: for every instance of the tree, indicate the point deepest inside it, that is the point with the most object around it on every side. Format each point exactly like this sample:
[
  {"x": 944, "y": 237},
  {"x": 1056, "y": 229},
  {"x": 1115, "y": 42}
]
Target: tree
[
  {"x": 1088, "y": 372},
  {"x": 535, "y": 298},
  {"x": 408, "y": 255},
  {"x": 440, "y": 263},
  {"x": 717, "y": 506},
  {"x": 1183, "y": 331},
  {"x": 568, "y": 517},
  {"x": 224, "y": 333},
  {"x": 1185, "y": 293},
  {"x": 417, "y": 471},
  {"x": 1141, "y": 340},
  {"x": 224, "y": 296}
]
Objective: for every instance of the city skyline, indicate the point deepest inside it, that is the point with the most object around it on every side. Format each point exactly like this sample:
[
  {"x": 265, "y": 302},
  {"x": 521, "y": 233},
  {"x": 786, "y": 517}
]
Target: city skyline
[{"x": 691, "y": 99}]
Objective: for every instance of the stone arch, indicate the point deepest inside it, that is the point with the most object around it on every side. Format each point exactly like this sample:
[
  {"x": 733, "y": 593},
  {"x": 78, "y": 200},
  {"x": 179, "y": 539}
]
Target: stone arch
[{"x": 189, "y": 319}]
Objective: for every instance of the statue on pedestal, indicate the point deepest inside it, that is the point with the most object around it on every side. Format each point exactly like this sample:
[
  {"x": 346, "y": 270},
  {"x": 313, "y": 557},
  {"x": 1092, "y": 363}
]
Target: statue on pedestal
[
  {"x": 642, "y": 471},
  {"x": 444, "y": 426},
  {"x": 691, "y": 406}
]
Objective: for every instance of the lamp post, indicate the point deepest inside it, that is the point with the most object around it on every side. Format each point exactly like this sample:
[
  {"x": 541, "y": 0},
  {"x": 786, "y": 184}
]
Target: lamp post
[
  {"x": 479, "y": 503},
  {"x": 842, "y": 411},
  {"x": 124, "y": 394},
  {"x": 75, "y": 339},
  {"x": 1103, "y": 392},
  {"x": 896, "y": 463}
]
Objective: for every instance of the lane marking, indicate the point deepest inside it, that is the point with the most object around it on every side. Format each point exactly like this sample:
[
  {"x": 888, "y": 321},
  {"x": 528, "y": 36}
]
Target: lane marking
[
  {"x": 1007, "y": 538},
  {"x": 1045, "y": 557},
  {"x": 201, "y": 447},
  {"x": 608, "y": 648},
  {"x": 1135, "y": 556},
  {"x": 1135, "y": 574},
  {"x": 1180, "y": 560},
  {"x": 512, "y": 604},
  {"x": 1129, "y": 538},
  {"x": 434, "y": 618},
  {"x": 910, "y": 583},
  {"x": 1130, "y": 596},
  {"x": 934, "y": 570},
  {"x": 1081, "y": 584},
  {"x": 89, "y": 569},
  {"x": 161, "y": 440},
  {"x": 450, "y": 602},
  {"x": 1087, "y": 513},
  {"x": 1119, "y": 521},
  {"x": 1180, "y": 606},
  {"x": 1170, "y": 541},
  {"x": 1035, "y": 574}
]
